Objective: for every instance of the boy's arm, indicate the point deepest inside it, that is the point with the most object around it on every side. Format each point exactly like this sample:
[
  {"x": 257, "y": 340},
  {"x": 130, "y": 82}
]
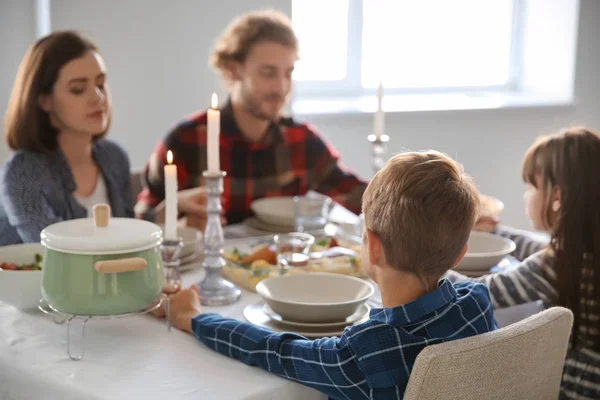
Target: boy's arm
[{"x": 327, "y": 365}]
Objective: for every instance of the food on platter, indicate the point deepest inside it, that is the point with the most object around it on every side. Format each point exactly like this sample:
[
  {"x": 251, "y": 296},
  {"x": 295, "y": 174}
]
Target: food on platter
[{"x": 328, "y": 254}]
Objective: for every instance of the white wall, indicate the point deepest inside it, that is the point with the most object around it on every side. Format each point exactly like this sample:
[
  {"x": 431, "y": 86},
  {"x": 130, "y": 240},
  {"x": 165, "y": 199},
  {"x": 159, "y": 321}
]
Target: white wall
[
  {"x": 156, "y": 52},
  {"x": 490, "y": 143},
  {"x": 157, "y": 58},
  {"x": 17, "y": 32}
]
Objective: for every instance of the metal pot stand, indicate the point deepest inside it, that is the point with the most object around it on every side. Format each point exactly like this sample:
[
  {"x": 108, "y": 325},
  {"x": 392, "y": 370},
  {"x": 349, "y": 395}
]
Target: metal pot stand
[{"x": 60, "y": 318}]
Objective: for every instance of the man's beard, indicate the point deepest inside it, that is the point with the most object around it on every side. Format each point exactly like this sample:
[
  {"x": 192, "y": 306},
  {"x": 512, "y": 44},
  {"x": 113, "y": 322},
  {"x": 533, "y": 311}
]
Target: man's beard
[{"x": 252, "y": 106}]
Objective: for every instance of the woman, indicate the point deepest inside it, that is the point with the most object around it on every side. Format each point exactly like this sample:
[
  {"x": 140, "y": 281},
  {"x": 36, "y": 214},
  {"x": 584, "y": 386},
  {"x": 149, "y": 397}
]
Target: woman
[
  {"x": 58, "y": 114},
  {"x": 562, "y": 198}
]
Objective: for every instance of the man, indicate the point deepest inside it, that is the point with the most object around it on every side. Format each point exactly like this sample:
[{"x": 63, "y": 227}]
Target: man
[{"x": 263, "y": 153}]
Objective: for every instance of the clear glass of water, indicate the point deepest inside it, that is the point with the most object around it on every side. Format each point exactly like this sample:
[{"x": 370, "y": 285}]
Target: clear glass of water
[
  {"x": 293, "y": 250},
  {"x": 311, "y": 211}
]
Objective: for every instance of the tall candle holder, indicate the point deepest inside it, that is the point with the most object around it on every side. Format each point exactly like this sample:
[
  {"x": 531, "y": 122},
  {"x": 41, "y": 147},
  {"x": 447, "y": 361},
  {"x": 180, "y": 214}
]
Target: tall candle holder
[
  {"x": 214, "y": 290},
  {"x": 378, "y": 150}
]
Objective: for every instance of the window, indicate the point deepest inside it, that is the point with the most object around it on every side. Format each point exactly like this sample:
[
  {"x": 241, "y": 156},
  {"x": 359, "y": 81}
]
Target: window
[
  {"x": 347, "y": 47},
  {"x": 315, "y": 46}
]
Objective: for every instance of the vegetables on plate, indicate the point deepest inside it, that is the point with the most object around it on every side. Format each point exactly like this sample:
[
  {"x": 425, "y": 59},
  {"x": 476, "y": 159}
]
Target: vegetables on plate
[{"x": 35, "y": 266}]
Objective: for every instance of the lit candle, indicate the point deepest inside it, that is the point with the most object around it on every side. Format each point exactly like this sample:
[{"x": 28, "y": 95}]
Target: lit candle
[
  {"x": 214, "y": 127},
  {"x": 170, "y": 198},
  {"x": 378, "y": 129}
]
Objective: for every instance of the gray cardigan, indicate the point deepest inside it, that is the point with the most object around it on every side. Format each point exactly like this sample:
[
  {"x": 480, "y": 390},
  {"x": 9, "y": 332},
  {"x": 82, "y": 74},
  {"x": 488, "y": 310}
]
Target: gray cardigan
[{"x": 36, "y": 190}]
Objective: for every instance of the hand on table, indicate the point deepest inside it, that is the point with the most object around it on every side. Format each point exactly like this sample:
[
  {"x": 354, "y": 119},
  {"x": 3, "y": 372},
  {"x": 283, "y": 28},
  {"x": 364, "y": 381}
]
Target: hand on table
[
  {"x": 486, "y": 223},
  {"x": 193, "y": 203},
  {"x": 184, "y": 305}
]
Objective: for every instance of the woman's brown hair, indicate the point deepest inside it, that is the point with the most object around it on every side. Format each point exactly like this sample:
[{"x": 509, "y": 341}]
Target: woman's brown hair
[
  {"x": 569, "y": 161},
  {"x": 26, "y": 125}
]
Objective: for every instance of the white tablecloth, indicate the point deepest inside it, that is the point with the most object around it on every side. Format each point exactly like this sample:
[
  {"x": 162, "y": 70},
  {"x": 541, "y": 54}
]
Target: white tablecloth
[{"x": 130, "y": 358}]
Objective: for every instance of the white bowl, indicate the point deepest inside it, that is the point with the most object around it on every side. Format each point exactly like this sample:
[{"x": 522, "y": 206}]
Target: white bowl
[
  {"x": 485, "y": 251},
  {"x": 21, "y": 289},
  {"x": 315, "y": 297},
  {"x": 275, "y": 210},
  {"x": 192, "y": 240}
]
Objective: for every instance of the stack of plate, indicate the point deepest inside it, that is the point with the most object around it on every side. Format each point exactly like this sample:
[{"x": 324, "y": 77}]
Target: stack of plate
[
  {"x": 262, "y": 315},
  {"x": 312, "y": 305},
  {"x": 192, "y": 252},
  {"x": 273, "y": 214},
  {"x": 276, "y": 215}
]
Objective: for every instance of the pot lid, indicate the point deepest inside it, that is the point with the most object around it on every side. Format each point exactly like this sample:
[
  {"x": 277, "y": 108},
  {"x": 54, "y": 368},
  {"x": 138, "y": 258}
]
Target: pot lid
[{"x": 101, "y": 234}]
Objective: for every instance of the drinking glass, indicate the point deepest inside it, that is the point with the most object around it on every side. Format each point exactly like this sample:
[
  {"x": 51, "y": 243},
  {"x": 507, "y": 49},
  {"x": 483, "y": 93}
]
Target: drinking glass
[
  {"x": 311, "y": 211},
  {"x": 292, "y": 250}
]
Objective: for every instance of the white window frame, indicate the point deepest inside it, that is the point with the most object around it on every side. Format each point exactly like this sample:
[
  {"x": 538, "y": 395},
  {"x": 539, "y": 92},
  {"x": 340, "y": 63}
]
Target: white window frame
[{"x": 351, "y": 86}]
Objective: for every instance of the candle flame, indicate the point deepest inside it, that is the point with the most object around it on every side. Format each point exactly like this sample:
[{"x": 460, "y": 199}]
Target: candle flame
[
  {"x": 214, "y": 103},
  {"x": 170, "y": 157}
]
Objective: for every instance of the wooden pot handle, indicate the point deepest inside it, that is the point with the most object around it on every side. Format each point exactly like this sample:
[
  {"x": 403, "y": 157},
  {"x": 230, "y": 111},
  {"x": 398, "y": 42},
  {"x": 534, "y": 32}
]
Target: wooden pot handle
[
  {"x": 101, "y": 215},
  {"x": 121, "y": 265}
]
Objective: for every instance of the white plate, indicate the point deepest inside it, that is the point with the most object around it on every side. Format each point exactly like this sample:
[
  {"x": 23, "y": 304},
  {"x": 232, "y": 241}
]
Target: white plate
[
  {"x": 279, "y": 212},
  {"x": 275, "y": 210},
  {"x": 192, "y": 240},
  {"x": 474, "y": 274},
  {"x": 506, "y": 263},
  {"x": 255, "y": 314},
  {"x": 256, "y": 223},
  {"x": 190, "y": 262},
  {"x": 358, "y": 315},
  {"x": 317, "y": 297}
]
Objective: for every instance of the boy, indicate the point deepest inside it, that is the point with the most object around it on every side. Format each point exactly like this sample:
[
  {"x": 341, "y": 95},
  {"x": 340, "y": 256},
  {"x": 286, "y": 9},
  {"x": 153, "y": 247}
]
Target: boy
[{"x": 419, "y": 210}]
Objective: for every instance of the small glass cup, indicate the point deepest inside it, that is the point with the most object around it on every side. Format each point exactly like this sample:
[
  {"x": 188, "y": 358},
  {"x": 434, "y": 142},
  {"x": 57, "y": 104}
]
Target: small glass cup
[
  {"x": 311, "y": 211},
  {"x": 170, "y": 251},
  {"x": 293, "y": 250}
]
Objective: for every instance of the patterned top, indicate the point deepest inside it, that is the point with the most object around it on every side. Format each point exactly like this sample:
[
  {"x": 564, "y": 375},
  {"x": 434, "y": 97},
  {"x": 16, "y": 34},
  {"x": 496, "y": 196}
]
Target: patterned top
[
  {"x": 291, "y": 159},
  {"x": 36, "y": 190},
  {"x": 534, "y": 279},
  {"x": 372, "y": 360}
]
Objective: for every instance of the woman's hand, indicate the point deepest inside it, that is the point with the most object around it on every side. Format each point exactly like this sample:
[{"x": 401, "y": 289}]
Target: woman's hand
[{"x": 193, "y": 203}]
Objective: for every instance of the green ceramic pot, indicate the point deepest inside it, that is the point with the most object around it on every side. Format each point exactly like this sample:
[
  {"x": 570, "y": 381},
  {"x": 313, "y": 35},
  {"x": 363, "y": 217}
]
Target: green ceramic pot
[{"x": 102, "y": 266}]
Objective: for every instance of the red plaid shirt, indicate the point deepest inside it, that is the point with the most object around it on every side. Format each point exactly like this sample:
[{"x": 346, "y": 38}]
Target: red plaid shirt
[{"x": 291, "y": 159}]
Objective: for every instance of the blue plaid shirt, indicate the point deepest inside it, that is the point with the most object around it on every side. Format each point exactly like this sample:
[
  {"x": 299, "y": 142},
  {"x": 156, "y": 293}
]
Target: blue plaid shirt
[{"x": 372, "y": 360}]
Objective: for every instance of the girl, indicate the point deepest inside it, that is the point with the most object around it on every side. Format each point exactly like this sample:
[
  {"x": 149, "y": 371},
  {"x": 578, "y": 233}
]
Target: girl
[
  {"x": 562, "y": 173},
  {"x": 57, "y": 116}
]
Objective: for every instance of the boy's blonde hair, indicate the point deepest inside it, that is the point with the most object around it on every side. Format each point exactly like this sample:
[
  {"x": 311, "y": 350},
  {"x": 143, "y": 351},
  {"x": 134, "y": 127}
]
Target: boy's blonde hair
[
  {"x": 249, "y": 29},
  {"x": 422, "y": 206}
]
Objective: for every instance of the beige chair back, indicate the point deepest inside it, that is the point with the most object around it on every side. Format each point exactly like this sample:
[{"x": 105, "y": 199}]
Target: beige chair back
[{"x": 521, "y": 361}]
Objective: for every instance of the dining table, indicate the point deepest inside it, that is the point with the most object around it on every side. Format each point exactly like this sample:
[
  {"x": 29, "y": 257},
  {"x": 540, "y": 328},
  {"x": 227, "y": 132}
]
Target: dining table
[
  {"x": 136, "y": 357},
  {"x": 131, "y": 358}
]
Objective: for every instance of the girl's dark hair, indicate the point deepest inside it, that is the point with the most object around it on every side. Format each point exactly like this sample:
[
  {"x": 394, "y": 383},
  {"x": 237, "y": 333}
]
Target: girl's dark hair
[
  {"x": 26, "y": 125},
  {"x": 570, "y": 162}
]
